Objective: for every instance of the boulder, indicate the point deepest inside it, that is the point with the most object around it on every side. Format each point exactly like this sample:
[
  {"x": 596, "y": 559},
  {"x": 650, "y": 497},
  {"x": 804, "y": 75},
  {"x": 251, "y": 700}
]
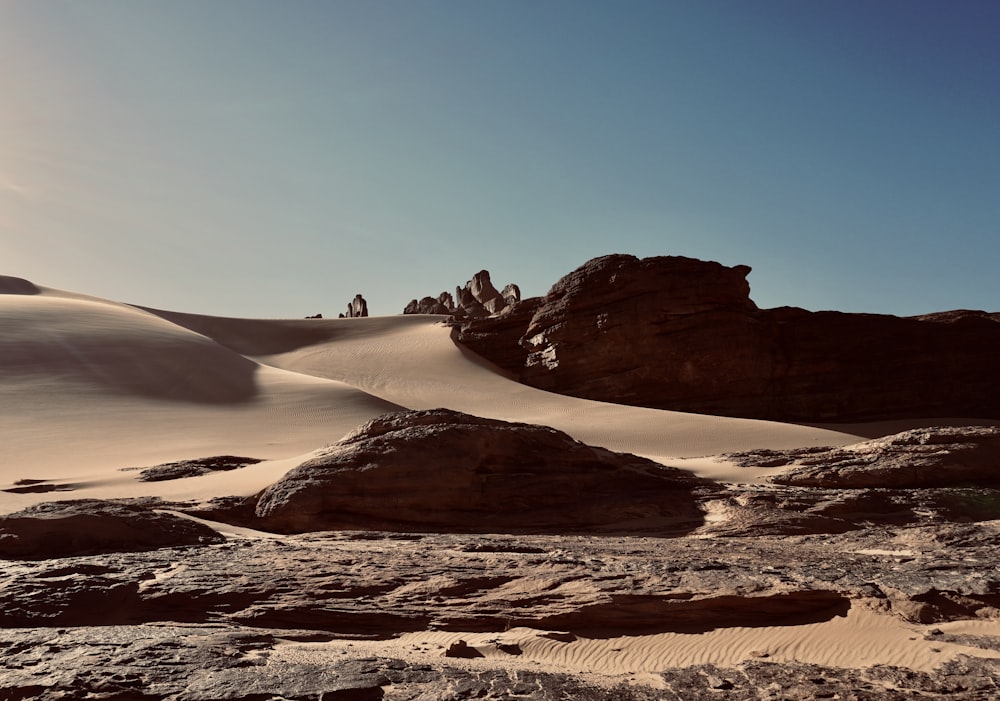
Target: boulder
[
  {"x": 662, "y": 329},
  {"x": 445, "y": 471},
  {"x": 677, "y": 333},
  {"x": 92, "y": 526}
]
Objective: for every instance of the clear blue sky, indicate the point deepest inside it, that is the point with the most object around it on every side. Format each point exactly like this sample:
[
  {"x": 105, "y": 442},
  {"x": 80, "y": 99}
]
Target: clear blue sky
[{"x": 250, "y": 158}]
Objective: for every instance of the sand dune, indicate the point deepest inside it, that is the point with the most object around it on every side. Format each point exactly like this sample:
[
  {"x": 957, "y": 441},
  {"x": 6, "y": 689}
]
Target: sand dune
[{"x": 89, "y": 386}]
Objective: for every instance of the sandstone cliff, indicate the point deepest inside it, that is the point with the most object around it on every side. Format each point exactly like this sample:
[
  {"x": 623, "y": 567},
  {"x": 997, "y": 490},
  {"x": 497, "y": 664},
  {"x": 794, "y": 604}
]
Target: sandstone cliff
[{"x": 677, "y": 333}]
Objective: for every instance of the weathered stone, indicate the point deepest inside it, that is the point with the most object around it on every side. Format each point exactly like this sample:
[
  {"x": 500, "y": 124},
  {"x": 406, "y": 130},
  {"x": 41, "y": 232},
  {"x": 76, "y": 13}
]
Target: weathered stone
[
  {"x": 477, "y": 299},
  {"x": 925, "y": 457},
  {"x": 358, "y": 307},
  {"x": 442, "y": 470},
  {"x": 511, "y": 293},
  {"x": 194, "y": 624},
  {"x": 677, "y": 333},
  {"x": 192, "y": 468},
  {"x": 85, "y": 526},
  {"x": 427, "y": 305}
]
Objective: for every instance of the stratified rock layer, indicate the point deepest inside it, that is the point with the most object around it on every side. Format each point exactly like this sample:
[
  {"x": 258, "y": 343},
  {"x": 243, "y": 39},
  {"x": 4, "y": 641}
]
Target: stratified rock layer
[
  {"x": 88, "y": 526},
  {"x": 677, "y": 333},
  {"x": 926, "y": 457},
  {"x": 442, "y": 470}
]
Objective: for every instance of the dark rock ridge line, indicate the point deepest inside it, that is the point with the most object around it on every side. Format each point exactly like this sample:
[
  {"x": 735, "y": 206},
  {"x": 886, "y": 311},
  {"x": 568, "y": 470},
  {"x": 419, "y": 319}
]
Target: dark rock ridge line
[
  {"x": 191, "y": 468},
  {"x": 478, "y": 298},
  {"x": 678, "y": 333}
]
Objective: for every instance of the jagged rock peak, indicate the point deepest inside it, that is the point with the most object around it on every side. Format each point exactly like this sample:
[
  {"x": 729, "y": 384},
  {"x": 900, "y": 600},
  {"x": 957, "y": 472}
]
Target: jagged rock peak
[
  {"x": 477, "y": 299},
  {"x": 357, "y": 307}
]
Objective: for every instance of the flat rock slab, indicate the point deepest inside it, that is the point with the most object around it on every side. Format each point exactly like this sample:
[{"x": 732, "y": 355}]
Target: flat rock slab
[{"x": 90, "y": 526}]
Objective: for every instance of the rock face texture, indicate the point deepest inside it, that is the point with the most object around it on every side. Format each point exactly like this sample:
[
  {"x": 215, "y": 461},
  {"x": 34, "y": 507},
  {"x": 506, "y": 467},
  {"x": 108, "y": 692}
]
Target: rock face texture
[
  {"x": 926, "y": 457},
  {"x": 192, "y": 468},
  {"x": 444, "y": 304},
  {"x": 477, "y": 299},
  {"x": 357, "y": 307},
  {"x": 86, "y": 526},
  {"x": 442, "y": 470},
  {"x": 677, "y": 333},
  {"x": 241, "y": 619}
]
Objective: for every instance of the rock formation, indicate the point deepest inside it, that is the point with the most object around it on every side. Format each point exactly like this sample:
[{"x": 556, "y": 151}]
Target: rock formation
[
  {"x": 357, "y": 307},
  {"x": 89, "y": 526},
  {"x": 183, "y": 469},
  {"x": 678, "y": 333},
  {"x": 477, "y": 299},
  {"x": 925, "y": 457},
  {"x": 429, "y": 305},
  {"x": 442, "y": 470}
]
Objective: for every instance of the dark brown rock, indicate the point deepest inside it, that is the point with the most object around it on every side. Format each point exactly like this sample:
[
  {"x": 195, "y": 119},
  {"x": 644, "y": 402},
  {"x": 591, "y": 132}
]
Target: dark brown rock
[
  {"x": 193, "y": 468},
  {"x": 358, "y": 307},
  {"x": 442, "y": 470},
  {"x": 428, "y": 305},
  {"x": 925, "y": 457},
  {"x": 477, "y": 299},
  {"x": 86, "y": 526},
  {"x": 498, "y": 337},
  {"x": 677, "y": 333}
]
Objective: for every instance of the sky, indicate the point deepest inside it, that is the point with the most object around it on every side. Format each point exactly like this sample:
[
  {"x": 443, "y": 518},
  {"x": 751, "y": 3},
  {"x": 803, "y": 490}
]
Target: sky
[{"x": 274, "y": 158}]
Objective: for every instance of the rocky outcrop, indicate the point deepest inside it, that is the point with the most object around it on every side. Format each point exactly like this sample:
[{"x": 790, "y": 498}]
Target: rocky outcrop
[
  {"x": 88, "y": 526},
  {"x": 239, "y": 619},
  {"x": 920, "y": 458},
  {"x": 444, "y": 304},
  {"x": 477, "y": 299},
  {"x": 442, "y": 470},
  {"x": 356, "y": 308},
  {"x": 182, "y": 469},
  {"x": 677, "y": 333}
]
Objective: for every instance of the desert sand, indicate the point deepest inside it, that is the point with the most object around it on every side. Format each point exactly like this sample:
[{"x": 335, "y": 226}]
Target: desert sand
[
  {"x": 76, "y": 410},
  {"x": 91, "y": 389}
]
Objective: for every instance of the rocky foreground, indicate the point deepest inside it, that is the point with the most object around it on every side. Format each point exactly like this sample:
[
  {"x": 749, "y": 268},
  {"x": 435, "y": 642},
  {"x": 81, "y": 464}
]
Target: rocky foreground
[{"x": 146, "y": 600}]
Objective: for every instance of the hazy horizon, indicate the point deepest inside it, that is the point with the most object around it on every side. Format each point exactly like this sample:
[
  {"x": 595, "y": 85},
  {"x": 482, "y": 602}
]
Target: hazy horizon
[{"x": 267, "y": 159}]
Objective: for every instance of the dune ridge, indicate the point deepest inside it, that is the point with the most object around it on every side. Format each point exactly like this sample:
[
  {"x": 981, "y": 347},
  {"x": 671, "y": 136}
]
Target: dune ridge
[{"x": 92, "y": 390}]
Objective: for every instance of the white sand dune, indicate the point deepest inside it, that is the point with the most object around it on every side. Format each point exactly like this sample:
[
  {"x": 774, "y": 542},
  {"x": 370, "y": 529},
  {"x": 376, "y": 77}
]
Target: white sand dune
[{"x": 89, "y": 386}]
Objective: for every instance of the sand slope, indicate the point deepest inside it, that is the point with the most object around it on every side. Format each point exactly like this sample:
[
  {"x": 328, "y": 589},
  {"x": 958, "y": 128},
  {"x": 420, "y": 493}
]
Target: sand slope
[{"x": 89, "y": 386}]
